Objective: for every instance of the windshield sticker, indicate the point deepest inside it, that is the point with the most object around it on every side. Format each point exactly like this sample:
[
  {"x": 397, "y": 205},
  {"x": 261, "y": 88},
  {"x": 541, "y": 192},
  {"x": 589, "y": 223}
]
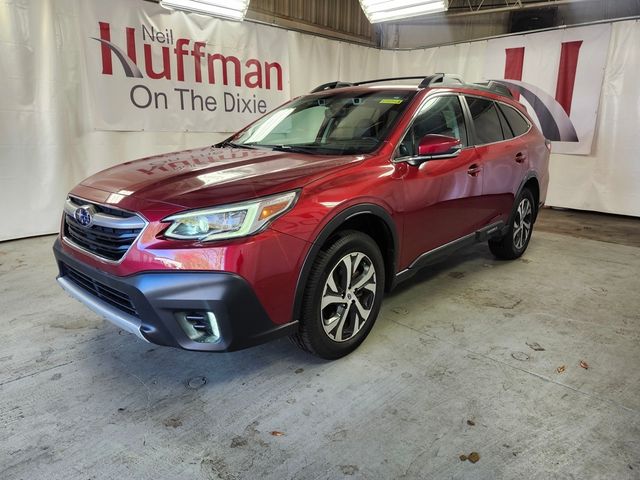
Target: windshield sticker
[{"x": 394, "y": 101}]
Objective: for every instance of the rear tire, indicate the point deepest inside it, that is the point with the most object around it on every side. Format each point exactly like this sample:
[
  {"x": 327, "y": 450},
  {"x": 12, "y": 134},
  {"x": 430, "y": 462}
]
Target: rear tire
[
  {"x": 342, "y": 297},
  {"x": 514, "y": 243}
]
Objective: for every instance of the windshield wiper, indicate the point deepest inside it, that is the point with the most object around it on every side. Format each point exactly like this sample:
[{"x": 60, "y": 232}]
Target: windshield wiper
[
  {"x": 294, "y": 148},
  {"x": 227, "y": 143}
]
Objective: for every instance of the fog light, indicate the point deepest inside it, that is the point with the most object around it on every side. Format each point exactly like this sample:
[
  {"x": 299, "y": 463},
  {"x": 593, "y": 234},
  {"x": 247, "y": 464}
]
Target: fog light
[{"x": 199, "y": 326}]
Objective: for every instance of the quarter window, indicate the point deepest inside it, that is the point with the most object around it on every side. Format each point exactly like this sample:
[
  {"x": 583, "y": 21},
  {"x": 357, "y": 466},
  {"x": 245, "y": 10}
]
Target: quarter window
[
  {"x": 441, "y": 115},
  {"x": 507, "y": 133},
  {"x": 518, "y": 124},
  {"x": 486, "y": 120}
]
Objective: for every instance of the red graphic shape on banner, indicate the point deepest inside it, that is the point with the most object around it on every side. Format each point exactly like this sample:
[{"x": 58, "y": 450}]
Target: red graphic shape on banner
[
  {"x": 513, "y": 66},
  {"x": 180, "y": 54},
  {"x": 166, "y": 63},
  {"x": 105, "y": 34},
  {"x": 131, "y": 44},
  {"x": 567, "y": 74}
]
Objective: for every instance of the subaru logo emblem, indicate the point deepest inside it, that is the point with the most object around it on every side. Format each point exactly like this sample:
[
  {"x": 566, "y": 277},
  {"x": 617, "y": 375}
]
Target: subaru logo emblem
[{"x": 84, "y": 215}]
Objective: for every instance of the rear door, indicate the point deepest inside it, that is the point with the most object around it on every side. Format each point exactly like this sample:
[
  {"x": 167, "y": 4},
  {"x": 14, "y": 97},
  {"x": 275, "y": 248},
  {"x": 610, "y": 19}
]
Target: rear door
[
  {"x": 501, "y": 154},
  {"x": 442, "y": 197}
]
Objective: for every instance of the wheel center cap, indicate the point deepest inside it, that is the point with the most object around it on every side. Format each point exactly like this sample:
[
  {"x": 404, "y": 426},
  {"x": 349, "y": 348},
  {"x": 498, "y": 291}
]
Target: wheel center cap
[{"x": 348, "y": 296}]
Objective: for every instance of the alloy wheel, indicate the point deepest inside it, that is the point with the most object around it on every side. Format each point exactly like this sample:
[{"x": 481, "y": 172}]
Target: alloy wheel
[
  {"x": 348, "y": 296},
  {"x": 522, "y": 224}
]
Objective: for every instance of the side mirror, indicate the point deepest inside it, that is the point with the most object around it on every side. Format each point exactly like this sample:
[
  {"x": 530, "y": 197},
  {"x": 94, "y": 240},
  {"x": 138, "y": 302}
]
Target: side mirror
[
  {"x": 433, "y": 147},
  {"x": 438, "y": 146}
]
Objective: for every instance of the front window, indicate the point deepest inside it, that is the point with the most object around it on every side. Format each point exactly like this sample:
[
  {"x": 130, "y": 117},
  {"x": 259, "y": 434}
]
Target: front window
[
  {"x": 334, "y": 124},
  {"x": 440, "y": 115}
]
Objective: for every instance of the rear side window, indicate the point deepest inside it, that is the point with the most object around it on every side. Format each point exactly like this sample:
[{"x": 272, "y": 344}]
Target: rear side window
[
  {"x": 517, "y": 122},
  {"x": 486, "y": 120},
  {"x": 507, "y": 133}
]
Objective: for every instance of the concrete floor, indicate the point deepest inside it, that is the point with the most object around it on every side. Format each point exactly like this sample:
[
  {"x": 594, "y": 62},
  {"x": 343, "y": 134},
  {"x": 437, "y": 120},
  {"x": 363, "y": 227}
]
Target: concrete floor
[{"x": 79, "y": 400}]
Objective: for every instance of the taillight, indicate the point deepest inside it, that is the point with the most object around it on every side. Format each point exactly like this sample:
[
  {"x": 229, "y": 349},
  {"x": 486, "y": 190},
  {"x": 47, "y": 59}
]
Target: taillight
[{"x": 547, "y": 144}]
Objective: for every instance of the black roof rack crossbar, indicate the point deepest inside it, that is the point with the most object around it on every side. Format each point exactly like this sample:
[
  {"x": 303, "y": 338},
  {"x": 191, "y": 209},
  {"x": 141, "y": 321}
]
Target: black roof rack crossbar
[
  {"x": 426, "y": 81},
  {"x": 364, "y": 82},
  {"x": 339, "y": 84}
]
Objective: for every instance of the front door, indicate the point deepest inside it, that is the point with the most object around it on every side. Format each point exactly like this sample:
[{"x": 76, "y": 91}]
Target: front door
[{"x": 443, "y": 198}]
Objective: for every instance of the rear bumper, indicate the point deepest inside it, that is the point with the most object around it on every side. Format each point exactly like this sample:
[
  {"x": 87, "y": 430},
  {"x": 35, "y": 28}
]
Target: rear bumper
[{"x": 149, "y": 304}]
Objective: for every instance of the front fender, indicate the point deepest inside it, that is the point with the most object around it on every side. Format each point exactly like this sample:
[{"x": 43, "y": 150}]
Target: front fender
[{"x": 332, "y": 226}]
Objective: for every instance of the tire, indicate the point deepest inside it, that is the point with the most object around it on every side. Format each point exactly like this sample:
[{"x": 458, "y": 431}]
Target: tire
[
  {"x": 514, "y": 243},
  {"x": 350, "y": 309}
]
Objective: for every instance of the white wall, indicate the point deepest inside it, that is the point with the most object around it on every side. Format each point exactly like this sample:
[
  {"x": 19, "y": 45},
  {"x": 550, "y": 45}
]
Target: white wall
[{"x": 43, "y": 113}]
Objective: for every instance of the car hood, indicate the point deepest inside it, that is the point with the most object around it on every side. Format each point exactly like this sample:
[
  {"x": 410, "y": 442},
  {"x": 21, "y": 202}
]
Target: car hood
[{"x": 213, "y": 176}]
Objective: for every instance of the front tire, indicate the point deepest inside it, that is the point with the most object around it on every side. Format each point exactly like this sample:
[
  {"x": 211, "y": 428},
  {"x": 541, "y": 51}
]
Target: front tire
[
  {"x": 342, "y": 297},
  {"x": 514, "y": 243}
]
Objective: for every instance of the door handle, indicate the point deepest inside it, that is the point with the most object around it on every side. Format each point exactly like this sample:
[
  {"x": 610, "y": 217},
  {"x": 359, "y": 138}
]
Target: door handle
[
  {"x": 521, "y": 157},
  {"x": 474, "y": 170}
]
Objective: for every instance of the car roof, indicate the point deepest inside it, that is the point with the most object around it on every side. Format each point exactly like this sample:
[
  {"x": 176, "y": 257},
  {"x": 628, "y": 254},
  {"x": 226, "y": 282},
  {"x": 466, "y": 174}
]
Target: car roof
[
  {"x": 491, "y": 90},
  {"x": 438, "y": 80}
]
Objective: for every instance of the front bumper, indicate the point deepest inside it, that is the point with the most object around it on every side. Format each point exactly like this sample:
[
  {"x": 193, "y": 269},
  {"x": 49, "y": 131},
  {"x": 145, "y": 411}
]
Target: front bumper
[{"x": 149, "y": 304}]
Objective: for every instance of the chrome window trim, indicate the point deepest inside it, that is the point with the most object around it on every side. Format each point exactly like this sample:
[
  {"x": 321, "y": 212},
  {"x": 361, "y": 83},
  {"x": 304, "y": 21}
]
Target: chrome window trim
[{"x": 106, "y": 218}]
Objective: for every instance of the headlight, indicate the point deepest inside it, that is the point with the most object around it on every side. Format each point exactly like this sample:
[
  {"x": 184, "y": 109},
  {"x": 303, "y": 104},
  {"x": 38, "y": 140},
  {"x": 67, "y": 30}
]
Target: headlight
[{"x": 230, "y": 221}]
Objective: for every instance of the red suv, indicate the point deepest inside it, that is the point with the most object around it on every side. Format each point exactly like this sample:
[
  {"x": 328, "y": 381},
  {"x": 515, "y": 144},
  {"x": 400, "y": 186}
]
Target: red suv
[{"x": 298, "y": 224}]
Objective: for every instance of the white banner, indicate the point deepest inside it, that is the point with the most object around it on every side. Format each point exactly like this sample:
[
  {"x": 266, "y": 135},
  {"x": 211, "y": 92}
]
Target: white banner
[
  {"x": 58, "y": 110},
  {"x": 154, "y": 69},
  {"x": 558, "y": 76}
]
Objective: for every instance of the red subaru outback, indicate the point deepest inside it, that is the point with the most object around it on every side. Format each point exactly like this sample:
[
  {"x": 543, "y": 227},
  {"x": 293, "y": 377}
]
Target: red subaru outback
[{"x": 298, "y": 224}]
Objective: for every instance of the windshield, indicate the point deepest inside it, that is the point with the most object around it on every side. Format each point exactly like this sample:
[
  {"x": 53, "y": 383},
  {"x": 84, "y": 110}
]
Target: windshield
[{"x": 334, "y": 124}]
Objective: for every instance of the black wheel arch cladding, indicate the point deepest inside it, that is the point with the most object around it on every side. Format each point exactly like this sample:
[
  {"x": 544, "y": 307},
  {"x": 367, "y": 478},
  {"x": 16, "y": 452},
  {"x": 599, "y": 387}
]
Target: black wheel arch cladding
[{"x": 336, "y": 224}]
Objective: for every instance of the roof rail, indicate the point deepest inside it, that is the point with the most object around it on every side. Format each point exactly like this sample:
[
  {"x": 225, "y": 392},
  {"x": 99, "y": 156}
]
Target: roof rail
[
  {"x": 437, "y": 79},
  {"x": 495, "y": 87},
  {"x": 442, "y": 78},
  {"x": 331, "y": 86}
]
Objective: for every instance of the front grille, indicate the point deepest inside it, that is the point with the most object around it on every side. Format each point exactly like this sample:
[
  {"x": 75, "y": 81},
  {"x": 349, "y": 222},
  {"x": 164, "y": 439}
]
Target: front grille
[
  {"x": 110, "y": 236},
  {"x": 116, "y": 212},
  {"x": 110, "y": 295}
]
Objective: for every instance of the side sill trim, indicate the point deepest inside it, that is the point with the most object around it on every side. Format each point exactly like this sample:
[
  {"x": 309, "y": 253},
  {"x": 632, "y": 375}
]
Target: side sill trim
[
  {"x": 458, "y": 243},
  {"x": 120, "y": 319},
  {"x": 433, "y": 256}
]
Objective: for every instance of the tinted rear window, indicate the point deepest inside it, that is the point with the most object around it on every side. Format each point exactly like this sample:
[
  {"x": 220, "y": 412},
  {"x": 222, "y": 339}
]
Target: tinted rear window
[
  {"x": 486, "y": 120},
  {"x": 517, "y": 122},
  {"x": 507, "y": 133}
]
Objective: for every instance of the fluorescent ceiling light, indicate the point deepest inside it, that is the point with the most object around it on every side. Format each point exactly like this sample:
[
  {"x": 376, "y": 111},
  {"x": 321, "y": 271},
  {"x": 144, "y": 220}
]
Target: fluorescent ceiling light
[
  {"x": 229, "y": 9},
  {"x": 387, "y": 10}
]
